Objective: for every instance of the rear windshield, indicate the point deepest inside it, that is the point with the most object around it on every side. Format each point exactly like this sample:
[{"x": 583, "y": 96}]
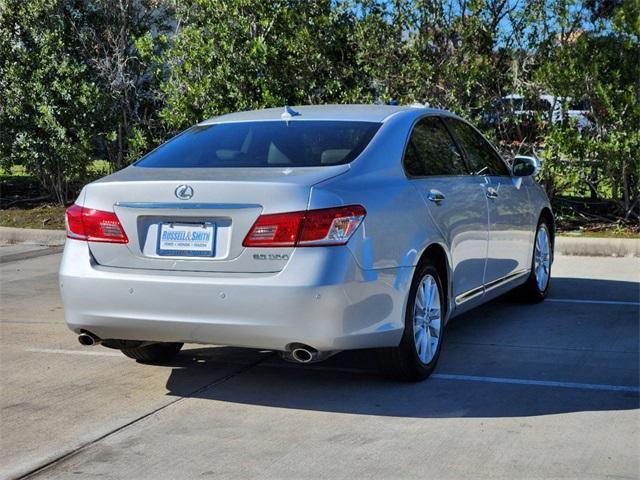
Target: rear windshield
[
  {"x": 264, "y": 144},
  {"x": 583, "y": 104}
]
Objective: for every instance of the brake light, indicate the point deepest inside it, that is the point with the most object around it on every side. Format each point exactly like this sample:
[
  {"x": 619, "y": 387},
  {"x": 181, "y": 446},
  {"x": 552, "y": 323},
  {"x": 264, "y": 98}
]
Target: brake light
[
  {"x": 311, "y": 228},
  {"x": 278, "y": 230},
  {"x": 94, "y": 225}
]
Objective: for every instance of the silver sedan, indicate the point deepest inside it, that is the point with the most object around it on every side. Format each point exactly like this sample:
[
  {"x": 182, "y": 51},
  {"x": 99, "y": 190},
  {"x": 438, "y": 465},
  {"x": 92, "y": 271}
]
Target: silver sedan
[{"x": 306, "y": 230}]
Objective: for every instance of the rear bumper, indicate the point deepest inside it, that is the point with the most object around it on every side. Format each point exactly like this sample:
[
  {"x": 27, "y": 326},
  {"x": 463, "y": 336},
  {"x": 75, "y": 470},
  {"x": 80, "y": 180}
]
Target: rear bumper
[{"x": 321, "y": 298}]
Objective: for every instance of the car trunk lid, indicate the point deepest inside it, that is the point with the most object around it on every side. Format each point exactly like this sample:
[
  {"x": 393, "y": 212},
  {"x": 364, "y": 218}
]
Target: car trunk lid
[{"x": 222, "y": 201}]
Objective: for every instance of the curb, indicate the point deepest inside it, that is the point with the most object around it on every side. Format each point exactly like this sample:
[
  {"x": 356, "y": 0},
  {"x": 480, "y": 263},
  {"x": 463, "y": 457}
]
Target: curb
[
  {"x": 597, "y": 247},
  {"x": 32, "y": 236},
  {"x": 41, "y": 252},
  {"x": 565, "y": 245}
]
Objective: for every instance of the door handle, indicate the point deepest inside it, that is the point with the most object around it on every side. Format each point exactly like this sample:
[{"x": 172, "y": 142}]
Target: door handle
[
  {"x": 492, "y": 192},
  {"x": 435, "y": 196}
]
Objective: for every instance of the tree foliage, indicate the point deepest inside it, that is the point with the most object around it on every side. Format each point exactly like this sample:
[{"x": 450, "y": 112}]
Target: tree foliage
[
  {"x": 226, "y": 56},
  {"x": 111, "y": 79},
  {"x": 602, "y": 65},
  {"x": 48, "y": 98}
]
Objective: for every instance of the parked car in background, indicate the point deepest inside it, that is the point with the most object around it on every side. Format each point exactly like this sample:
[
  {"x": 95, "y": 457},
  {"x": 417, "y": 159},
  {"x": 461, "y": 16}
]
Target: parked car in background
[
  {"x": 579, "y": 112},
  {"x": 519, "y": 118},
  {"x": 306, "y": 231}
]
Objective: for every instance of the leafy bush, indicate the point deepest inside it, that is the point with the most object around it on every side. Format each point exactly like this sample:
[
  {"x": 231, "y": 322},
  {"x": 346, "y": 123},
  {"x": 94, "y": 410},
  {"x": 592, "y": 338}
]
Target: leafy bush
[
  {"x": 48, "y": 106},
  {"x": 111, "y": 79}
]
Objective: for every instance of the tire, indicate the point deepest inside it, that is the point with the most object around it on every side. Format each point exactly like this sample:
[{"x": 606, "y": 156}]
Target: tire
[
  {"x": 153, "y": 353},
  {"x": 407, "y": 361},
  {"x": 535, "y": 289}
]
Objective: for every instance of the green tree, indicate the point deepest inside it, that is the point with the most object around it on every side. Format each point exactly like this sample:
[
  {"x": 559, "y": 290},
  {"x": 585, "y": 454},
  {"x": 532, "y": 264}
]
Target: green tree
[
  {"x": 121, "y": 42},
  {"x": 244, "y": 54},
  {"x": 601, "y": 65},
  {"x": 113, "y": 78},
  {"x": 48, "y": 107}
]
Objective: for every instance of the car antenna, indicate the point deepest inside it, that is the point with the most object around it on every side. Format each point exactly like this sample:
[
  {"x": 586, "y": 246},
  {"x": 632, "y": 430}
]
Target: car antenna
[{"x": 288, "y": 113}]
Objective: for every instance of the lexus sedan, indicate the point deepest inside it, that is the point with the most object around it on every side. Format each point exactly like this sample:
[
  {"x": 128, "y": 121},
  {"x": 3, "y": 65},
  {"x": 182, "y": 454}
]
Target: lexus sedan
[{"x": 307, "y": 231}]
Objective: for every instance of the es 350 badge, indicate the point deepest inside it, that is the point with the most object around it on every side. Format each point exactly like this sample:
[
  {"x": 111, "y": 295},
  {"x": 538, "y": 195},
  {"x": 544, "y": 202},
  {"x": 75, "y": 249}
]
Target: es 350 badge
[{"x": 270, "y": 256}]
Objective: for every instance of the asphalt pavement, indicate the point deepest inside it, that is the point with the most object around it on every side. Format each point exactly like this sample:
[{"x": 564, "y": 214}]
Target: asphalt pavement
[{"x": 521, "y": 391}]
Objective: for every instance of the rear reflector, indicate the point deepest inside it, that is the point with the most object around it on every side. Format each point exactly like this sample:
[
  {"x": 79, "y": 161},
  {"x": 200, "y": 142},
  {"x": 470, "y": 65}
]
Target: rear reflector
[
  {"x": 94, "y": 225},
  {"x": 311, "y": 228}
]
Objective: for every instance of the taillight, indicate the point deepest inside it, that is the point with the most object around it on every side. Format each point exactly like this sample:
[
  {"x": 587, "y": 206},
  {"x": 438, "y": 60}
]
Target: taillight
[
  {"x": 94, "y": 225},
  {"x": 330, "y": 226},
  {"x": 277, "y": 230},
  {"x": 327, "y": 226}
]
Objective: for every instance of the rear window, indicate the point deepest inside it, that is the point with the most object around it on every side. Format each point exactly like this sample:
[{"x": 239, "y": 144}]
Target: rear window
[
  {"x": 583, "y": 105},
  {"x": 537, "y": 105},
  {"x": 264, "y": 144}
]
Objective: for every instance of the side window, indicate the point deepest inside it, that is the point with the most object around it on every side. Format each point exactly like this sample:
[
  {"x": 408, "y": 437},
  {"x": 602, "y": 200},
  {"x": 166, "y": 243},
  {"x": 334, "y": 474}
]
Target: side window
[
  {"x": 482, "y": 158},
  {"x": 432, "y": 151}
]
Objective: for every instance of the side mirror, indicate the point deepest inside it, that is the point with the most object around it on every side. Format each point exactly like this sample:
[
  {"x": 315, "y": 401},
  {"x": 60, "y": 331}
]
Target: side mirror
[{"x": 524, "y": 166}]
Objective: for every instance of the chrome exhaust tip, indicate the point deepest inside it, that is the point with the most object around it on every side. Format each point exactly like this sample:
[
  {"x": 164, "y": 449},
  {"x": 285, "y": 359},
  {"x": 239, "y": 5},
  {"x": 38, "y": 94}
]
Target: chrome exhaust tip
[
  {"x": 302, "y": 355},
  {"x": 88, "y": 340}
]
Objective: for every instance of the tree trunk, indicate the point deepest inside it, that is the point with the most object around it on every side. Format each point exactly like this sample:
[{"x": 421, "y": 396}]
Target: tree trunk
[
  {"x": 625, "y": 188},
  {"x": 119, "y": 155},
  {"x": 593, "y": 182}
]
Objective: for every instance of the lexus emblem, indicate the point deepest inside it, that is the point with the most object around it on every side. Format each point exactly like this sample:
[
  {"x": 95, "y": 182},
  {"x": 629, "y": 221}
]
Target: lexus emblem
[{"x": 184, "y": 192}]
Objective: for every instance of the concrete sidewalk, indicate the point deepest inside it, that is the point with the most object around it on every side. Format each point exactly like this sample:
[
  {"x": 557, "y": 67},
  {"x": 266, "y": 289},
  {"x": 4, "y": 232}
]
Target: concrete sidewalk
[
  {"x": 23, "y": 251},
  {"x": 32, "y": 236},
  {"x": 598, "y": 247}
]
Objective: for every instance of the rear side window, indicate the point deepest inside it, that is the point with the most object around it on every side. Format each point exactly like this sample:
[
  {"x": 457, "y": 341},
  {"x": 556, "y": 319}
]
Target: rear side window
[
  {"x": 482, "y": 158},
  {"x": 264, "y": 144},
  {"x": 431, "y": 151}
]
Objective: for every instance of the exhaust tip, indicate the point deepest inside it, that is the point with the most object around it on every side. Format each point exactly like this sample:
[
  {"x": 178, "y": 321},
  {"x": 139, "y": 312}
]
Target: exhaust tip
[
  {"x": 87, "y": 340},
  {"x": 302, "y": 355}
]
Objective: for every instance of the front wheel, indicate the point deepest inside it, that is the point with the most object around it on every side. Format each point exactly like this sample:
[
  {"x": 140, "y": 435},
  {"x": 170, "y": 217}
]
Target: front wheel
[
  {"x": 153, "y": 353},
  {"x": 537, "y": 285},
  {"x": 416, "y": 356}
]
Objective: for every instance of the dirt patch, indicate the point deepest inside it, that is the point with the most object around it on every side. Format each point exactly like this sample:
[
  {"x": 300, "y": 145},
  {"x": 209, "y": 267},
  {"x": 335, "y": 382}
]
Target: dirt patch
[
  {"x": 48, "y": 217},
  {"x": 594, "y": 218}
]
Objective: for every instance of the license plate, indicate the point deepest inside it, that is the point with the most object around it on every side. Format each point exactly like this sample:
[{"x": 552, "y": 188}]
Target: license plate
[{"x": 187, "y": 240}]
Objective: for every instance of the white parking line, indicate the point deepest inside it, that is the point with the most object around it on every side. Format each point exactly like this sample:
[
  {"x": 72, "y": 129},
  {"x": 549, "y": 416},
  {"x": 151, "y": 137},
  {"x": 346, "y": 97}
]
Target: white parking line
[
  {"x": 474, "y": 378},
  {"x": 97, "y": 353},
  {"x": 437, "y": 376},
  {"x": 538, "y": 383},
  {"x": 596, "y": 302}
]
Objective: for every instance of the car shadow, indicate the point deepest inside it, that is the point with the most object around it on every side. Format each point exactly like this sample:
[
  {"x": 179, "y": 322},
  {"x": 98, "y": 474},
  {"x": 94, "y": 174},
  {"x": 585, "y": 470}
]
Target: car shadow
[{"x": 502, "y": 339}]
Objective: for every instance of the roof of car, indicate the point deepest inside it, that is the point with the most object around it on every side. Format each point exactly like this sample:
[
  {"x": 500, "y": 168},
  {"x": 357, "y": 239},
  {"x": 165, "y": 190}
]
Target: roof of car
[{"x": 363, "y": 113}]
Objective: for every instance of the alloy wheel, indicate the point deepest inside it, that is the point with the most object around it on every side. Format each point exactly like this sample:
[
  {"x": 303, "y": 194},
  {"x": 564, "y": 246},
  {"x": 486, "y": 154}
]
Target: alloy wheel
[
  {"x": 542, "y": 258},
  {"x": 427, "y": 319}
]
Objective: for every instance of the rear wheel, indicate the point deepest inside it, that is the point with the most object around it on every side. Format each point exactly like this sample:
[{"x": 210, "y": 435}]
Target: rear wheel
[
  {"x": 537, "y": 285},
  {"x": 153, "y": 353},
  {"x": 416, "y": 356}
]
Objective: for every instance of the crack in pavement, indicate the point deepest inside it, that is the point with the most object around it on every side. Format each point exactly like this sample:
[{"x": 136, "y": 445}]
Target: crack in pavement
[{"x": 75, "y": 451}]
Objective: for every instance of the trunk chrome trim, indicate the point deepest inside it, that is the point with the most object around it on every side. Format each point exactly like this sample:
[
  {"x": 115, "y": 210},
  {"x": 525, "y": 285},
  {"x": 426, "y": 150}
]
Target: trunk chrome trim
[
  {"x": 471, "y": 294},
  {"x": 187, "y": 206}
]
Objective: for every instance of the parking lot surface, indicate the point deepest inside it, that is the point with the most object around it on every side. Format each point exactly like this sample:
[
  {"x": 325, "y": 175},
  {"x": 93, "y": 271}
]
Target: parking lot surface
[{"x": 521, "y": 391}]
